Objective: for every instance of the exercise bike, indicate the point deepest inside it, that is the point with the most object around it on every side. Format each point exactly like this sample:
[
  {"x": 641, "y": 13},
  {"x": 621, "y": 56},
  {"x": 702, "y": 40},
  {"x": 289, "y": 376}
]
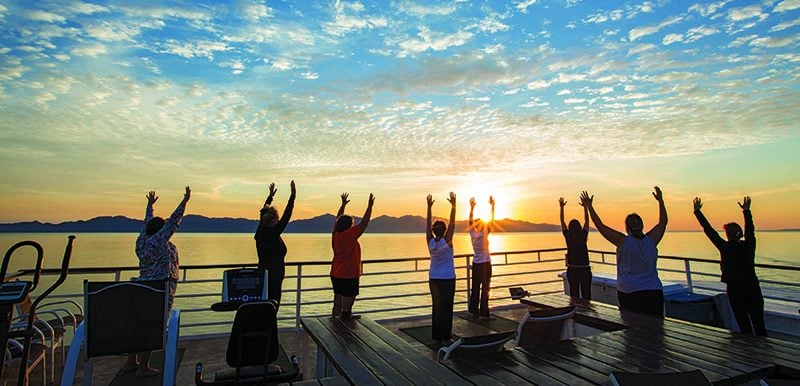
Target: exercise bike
[{"x": 13, "y": 292}]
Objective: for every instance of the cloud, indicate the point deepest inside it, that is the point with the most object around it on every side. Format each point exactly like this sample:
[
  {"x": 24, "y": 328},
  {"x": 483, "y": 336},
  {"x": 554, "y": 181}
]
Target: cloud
[
  {"x": 708, "y": 9},
  {"x": 3, "y": 11},
  {"x": 91, "y": 51},
  {"x": 48, "y": 17},
  {"x": 310, "y": 75},
  {"x": 641, "y": 48},
  {"x": 574, "y": 100},
  {"x": 538, "y": 84},
  {"x": 492, "y": 23},
  {"x": 603, "y": 17},
  {"x": 774, "y": 42},
  {"x": 202, "y": 48},
  {"x": 787, "y": 5},
  {"x": 253, "y": 10},
  {"x": 672, "y": 38},
  {"x": 697, "y": 33},
  {"x": 347, "y": 18},
  {"x": 744, "y": 13},
  {"x": 785, "y": 25},
  {"x": 86, "y": 8},
  {"x": 431, "y": 40},
  {"x": 422, "y": 10},
  {"x": 523, "y": 5},
  {"x": 639, "y": 32}
]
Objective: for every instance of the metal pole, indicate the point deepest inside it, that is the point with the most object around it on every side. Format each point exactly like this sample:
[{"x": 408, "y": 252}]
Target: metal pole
[
  {"x": 299, "y": 291},
  {"x": 117, "y": 275},
  {"x": 688, "y": 268},
  {"x": 468, "y": 274}
]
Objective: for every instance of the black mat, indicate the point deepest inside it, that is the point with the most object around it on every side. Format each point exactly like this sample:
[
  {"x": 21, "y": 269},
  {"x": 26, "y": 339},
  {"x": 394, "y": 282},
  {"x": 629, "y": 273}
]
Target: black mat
[
  {"x": 156, "y": 362},
  {"x": 499, "y": 323},
  {"x": 423, "y": 335}
]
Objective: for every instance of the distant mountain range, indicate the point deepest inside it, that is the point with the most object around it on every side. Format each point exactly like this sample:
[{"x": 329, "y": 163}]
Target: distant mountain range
[{"x": 202, "y": 224}]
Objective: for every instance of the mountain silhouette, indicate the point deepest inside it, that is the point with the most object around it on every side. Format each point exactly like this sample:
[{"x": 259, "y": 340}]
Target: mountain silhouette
[{"x": 200, "y": 224}]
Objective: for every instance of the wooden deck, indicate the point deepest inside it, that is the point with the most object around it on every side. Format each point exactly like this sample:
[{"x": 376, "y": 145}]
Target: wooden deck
[{"x": 634, "y": 343}]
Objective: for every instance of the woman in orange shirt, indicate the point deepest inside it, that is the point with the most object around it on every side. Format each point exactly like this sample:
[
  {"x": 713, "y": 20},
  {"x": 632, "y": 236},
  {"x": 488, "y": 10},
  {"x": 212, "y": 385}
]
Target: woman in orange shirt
[{"x": 346, "y": 266}]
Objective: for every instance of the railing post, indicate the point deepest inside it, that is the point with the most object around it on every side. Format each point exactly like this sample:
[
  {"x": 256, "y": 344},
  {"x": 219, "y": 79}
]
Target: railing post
[
  {"x": 117, "y": 275},
  {"x": 538, "y": 256},
  {"x": 468, "y": 276},
  {"x": 298, "y": 298},
  {"x": 603, "y": 256},
  {"x": 688, "y": 268}
]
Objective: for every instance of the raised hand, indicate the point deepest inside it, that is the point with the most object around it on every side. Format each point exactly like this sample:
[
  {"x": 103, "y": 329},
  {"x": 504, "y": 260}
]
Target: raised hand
[
  {"x": 657, "y": 194},
  {"x": 293, "y": 188},
  {"x": 371, "y": 200},
  {"x": 586, "y": 199},
  {"x": 698, "y": 204},
  {"x": 472, "y": 202},
  {"x": 491, "y": 201},
  {"x": 345, "y": 201},
  {"x": 452, "y": 199},
  {"x": 151, "y": 197},
  {"x": 745, "y": 204},
  {"x": 430, "y": 200},
  {"x": 561, "y": 202},
  {"x": 272, "y": 189},
  {"x": 187, "y": 194}
]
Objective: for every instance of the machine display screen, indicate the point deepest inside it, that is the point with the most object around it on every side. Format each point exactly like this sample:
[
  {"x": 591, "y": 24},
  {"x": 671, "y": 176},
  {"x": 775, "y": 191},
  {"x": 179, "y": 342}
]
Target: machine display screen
[{"x": 244, "y": 285}]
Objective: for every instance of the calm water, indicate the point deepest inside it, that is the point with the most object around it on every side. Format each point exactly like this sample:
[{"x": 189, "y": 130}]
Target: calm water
[{"x": 117, "y": 249}]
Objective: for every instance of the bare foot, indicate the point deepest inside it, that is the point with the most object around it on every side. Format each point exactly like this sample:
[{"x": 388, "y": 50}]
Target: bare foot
[{"x": 147, "y": 372}]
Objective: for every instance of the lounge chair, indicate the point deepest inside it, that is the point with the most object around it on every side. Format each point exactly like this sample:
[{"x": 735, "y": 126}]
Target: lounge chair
[
  {"x": 252, "y": 349},
  {"x": 472, "y": 345},
  {"x": 543, "y": 326},
  {"x": 686, "y": 378},
  {"x": 37, "y": 356}
]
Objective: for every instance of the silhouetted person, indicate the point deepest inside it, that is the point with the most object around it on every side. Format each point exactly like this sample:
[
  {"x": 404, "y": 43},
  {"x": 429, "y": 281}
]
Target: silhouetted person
[
  {"x": 442, "y": 274},
  {"x": 158, "y": 260},
  {"x": 481, "y": 262},
  {"x": 638, "y": 286},
  {"x": 346, "y": 266},
  {"x": 737, "y": 262},
  {"x": 269, "y": 244},
  {"x": 579, "y": 272}
]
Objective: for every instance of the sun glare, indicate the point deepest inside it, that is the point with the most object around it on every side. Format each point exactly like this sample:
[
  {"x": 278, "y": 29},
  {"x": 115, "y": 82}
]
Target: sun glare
[{"x": 482, "y": 207}]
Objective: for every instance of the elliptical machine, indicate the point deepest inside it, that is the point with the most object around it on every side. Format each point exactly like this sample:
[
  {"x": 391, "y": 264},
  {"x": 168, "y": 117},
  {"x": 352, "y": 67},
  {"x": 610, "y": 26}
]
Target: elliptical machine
[{"x": 13, "y": 292}]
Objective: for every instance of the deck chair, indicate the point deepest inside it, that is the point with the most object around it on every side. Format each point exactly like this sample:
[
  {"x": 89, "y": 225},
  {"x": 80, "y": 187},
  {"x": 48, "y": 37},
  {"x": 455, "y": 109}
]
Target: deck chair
[
  {"x": 252, "y": 349},
  {"x": 36, "y": 357},
  {"x": 52, "y": 322},
  {"x": 686, "y": 378},
  {"x": 473, "y": 345},
  {"x": 543, "y": 326},
  {"x": 122, "y": 318}
]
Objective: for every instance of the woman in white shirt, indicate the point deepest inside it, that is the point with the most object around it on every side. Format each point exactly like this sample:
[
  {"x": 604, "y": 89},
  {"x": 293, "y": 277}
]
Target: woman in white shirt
[{"x": 442, "y": 274}]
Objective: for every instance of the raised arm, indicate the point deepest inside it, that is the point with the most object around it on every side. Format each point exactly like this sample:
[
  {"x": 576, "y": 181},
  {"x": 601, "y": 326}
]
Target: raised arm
[
  {"x": 712, "y": 234},
  {"x": 271, "y": 195},
  {"x": 428, "y": 219},
  {"x": 367, "y": 213},
  {"x": 340, "y": 212},
  {"x": 174, "y": 220},
  {"x": 451, "y": 227},
  {"x": 658, "y": 230},
  {"x": 613, "y": 236},
  {"x": 585, "y": 218},
  {"x": 749, "y": 228},
  {"x": 490, "y": 225},
  {"x": 471, "y": 210},
  {"x": 148, "y": 212},
  {"x": 287, "y": 213},
  {"x": 561, "y": 204}
]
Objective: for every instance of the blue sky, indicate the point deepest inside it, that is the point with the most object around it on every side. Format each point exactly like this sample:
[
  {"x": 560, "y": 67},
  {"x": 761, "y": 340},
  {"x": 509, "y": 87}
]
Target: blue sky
[{"x": 528, "y": 100}]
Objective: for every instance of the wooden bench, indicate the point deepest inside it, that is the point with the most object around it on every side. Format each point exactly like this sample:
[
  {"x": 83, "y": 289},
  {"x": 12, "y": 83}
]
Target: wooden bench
[{"x": 365, "y": 353}]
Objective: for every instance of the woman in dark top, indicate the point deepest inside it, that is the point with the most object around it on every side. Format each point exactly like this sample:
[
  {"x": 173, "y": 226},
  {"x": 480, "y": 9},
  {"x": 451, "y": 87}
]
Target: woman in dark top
[
  {"x": 579, "y": 272},
  {"x": 269, "y": 244},
  {"x": 737, "y": 262}
]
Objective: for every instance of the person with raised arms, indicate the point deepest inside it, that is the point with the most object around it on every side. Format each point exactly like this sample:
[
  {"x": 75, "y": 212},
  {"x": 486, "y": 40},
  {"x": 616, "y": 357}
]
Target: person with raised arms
[
  {"x": 481, "y": 262},
  {"x": 269, "y": 243},
  {"x": 442, "y": 273},
  {"x": 579, "y": 272},
  {"x": 346, "y": 266}
]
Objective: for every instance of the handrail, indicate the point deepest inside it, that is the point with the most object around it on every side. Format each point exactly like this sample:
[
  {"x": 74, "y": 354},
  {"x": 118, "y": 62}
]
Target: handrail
[{"x": 309, "y": 296}]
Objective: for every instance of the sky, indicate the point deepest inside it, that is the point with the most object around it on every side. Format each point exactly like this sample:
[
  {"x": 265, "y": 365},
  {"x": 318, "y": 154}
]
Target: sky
[{"x": 525, "y": 100}]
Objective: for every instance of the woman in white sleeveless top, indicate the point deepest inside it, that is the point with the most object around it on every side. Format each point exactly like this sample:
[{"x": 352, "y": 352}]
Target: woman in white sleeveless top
[
  {"x": 638, "y": 285},
  {"x": 442, "y": 275}
]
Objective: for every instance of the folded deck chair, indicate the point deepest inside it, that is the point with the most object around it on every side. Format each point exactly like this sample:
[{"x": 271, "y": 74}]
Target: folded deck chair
[
  {"x": 123, "y": 318},
  {"x": 686, "y": 378},
  {"x": 252, "y": 349},
  {"x": 491, "y": 343},
  {"x": 543, "y": 326}
]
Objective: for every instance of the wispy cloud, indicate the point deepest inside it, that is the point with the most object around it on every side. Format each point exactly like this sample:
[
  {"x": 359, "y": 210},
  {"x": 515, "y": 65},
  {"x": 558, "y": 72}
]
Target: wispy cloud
[{"x": 639, "y": 32}]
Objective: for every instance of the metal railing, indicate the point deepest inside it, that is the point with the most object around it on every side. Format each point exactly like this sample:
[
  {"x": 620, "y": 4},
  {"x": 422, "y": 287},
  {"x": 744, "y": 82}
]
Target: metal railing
[{"x": 308, "y": 290}]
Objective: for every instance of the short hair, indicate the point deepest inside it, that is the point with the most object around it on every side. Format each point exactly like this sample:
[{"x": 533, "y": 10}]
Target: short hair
[
  {"x": 343, "y": 222},
  {"x": 633, "y": 219},
  {"x": 269, "y": 211},
  {"x": 154, "y": 225},
  {"x": 438, "y": 228},
  {"x": 733, "y": 230}
]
